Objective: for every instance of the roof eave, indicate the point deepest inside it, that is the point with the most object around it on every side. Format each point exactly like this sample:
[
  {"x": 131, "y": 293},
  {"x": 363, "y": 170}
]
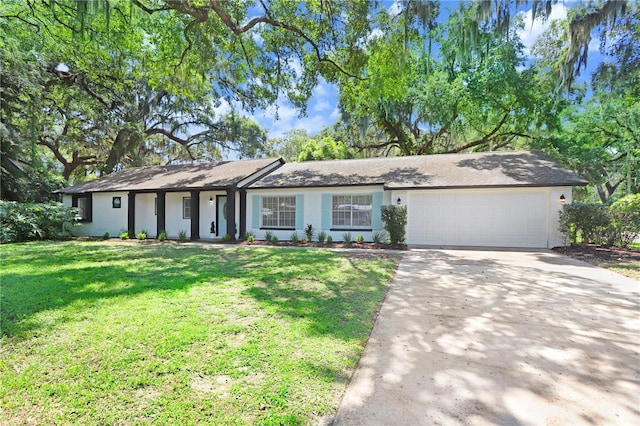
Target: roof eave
[{"x": 503, "y": 186}]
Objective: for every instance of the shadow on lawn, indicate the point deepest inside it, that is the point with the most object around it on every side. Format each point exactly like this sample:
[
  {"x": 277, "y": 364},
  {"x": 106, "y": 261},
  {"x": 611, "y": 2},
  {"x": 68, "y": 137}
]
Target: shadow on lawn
[{"x": 284, "y": 280}]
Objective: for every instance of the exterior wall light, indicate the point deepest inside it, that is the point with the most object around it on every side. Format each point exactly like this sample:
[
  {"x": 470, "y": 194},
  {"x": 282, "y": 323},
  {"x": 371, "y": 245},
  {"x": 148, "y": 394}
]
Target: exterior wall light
[
  {"x": 562, "y": 200},
  {"x": 399, "y": 201},
  {"x": 210, "y": 201}
]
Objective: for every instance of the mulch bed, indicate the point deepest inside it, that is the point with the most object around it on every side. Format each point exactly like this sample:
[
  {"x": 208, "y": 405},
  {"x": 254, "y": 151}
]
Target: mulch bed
[{"x": 596, "y": 254}]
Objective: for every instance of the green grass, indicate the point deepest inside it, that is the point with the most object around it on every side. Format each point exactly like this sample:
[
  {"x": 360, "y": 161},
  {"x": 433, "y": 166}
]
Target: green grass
[{"x": 110, "y": 332}]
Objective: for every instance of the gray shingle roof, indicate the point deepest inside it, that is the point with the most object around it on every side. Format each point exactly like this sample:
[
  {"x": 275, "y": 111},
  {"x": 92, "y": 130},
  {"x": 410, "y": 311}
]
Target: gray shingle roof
[
  {"x": 222, "y": 174},
  {"x": 486, "y": 169}
]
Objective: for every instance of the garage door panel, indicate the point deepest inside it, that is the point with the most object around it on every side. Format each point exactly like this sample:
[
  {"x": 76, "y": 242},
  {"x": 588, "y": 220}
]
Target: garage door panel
[{"x": 509, "y": 219}]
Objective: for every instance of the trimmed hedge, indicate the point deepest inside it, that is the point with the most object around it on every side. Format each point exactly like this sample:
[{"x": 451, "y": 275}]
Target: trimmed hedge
[
  {"x": 395, "y": 222},
  {"x": 32, "y": 221},
  {"x": 618, "y": 224}
]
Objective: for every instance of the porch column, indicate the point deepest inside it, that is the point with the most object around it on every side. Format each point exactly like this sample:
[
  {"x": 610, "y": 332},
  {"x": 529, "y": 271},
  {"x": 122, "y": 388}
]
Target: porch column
[
  {"x": 195, "y": 215},
  {"x": 131, "y": 217},
  {"x": 231, "y": 213},
  {"x": 243, "y": 213},
  {"x": 161, "y": 200}
]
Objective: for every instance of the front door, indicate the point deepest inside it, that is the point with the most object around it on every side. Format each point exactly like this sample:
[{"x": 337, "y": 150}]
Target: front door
[{"x": 221, "y": 215}]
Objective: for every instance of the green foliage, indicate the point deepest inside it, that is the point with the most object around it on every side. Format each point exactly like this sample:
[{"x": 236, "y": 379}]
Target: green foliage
[
  {"x": 322, "y": 236},
  {"x": 324, "y": 149},
  {"x": 347, "y": 239},
  {"x": 360, "y": 239},
  {"x": 124, "y": 235},
  {"x": 31, "y": 221},
  {"x": 468, "y": 98},
  {"x": 395, "y": 222},
  {"x": 250, "y": 238},
  {"x": 379, "y": 237},
  {"x": 106, "y": 236},
  {"x": 182, "y": 236},
  {"x": 142, "y": 235},
  {"x": 590, "y": 222},
  {"x": 294, "y": 238},
  {"x": 162, "y": 236},
  {"x": 167, "y": 324},
  {"x": 625, "y": 219},
  {"x": 268, "y": 235},
  {"x": 226, "y": 237},
  {"x": 308, "y": 232},
  {"x": 329, "y": 239},
  {"x": 274, "y": 240}
]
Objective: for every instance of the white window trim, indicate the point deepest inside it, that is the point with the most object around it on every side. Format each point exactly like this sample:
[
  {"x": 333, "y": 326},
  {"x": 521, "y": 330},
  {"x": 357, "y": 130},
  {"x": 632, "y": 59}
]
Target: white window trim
[
  {"x": 184, "y": 207},
  {"x": 351, "y": 226},
  {"x": 278, "y": 226}
]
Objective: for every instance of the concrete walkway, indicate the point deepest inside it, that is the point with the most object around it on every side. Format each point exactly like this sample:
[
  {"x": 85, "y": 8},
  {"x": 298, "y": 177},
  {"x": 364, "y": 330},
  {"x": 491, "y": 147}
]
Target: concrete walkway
[{"x": 500, "y": 337}]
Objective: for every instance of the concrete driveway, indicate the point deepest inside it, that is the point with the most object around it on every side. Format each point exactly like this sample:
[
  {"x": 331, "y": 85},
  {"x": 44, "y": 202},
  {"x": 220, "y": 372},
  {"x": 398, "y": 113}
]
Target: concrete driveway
[{"x": 500, "y": 337}]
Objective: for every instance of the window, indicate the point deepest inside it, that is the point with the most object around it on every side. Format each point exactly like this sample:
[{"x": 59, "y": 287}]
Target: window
[
  {"x": 83, "y": 208},
  {"x": 279, "y": 212},
  {"x": 186, "y": 207},
  {"x": 83, "y": 204},
  {"x": 116, "y": 202},
  {"x": 351, "y": 211}
]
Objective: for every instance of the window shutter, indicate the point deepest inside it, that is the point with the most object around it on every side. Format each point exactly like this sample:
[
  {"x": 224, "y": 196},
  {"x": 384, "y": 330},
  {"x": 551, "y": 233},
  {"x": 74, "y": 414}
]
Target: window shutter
[
  {"x": 376, "y": 214},
  {"x": 255, "y": 211},
  {"x": 326, "y": 211},
  {"x": 299, "y": 211}
]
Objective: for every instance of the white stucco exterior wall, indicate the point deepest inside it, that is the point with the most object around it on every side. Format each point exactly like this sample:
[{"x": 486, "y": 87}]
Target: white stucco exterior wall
[
  {"x": 312, "y": 210},
  {"x": 174, "y": 222},
  {"x": 555, "y": 237},
  {"x": 145, "y": 218},
  {"x": 208, "y": 212},
  {"x": 105, "y": 218}
]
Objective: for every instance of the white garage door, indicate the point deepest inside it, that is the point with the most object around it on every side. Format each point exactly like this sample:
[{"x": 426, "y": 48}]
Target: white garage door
[{"x": 478, "y": 218}]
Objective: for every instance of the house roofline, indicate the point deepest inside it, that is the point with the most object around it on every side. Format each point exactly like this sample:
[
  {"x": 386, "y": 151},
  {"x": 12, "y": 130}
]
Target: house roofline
[
  {"x": 344, "y": 185},
  {"x": 528, "y": 185}
]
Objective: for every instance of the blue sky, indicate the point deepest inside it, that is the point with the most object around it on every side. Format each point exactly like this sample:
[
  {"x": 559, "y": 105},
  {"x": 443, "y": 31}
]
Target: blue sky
[{"x": 323, "y": 110}]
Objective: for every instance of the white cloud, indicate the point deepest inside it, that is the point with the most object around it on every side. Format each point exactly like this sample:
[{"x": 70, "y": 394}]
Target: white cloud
[
  {"x": 394, "y": 9},
  {"x": 322, "y": 111},
  {"x": 532, "y": 30},
  {"x": 296, "y": 66},
  {"x": 223, "y": 108},
  {"x": 321, "y": 105}
]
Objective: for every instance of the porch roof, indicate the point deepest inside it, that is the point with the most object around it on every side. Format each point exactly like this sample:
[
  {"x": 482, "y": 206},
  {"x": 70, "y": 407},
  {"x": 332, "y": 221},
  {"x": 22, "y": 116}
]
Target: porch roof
[{"x": 214, "y": 175}]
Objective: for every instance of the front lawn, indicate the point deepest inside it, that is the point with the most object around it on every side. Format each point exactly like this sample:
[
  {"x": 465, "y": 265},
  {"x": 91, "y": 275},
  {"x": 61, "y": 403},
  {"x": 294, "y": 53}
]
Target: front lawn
[{"x": 104, "y": 332}]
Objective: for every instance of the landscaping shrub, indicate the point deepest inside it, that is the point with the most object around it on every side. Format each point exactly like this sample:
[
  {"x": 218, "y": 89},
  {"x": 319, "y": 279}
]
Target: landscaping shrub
[
  {"x": 308, "y": 232},
  {"x": 588, "y": 221},
  {"x": 360, "y": 239},
  {"x": 124, "y": 235},
  {"x": 294, "y": 238},
  {"x": 379, "y": 237},
  {"x": 105, "y": 236},
  {"x": 35, "y": 221},
  {"x": 142, "y": 235},
  {"x": 395, "y": 222},
  {"x": 268, "y": 236},
  {"x": 162, "y": 236},
  {"x": 346, "y": 238},
  {"x": 322, "y": 236},
  {"x": 182, "y": 236},
  {"x": 625, "y": 219},
  {"x": 329, "y": 239}
]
